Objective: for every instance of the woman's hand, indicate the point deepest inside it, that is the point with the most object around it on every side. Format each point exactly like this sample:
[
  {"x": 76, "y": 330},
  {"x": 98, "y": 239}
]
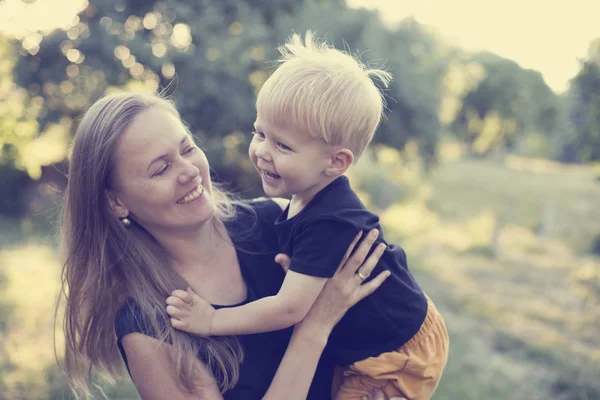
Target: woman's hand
[
  {"x": 346, "y": 287},
  {"x": 341, "y": 292}
]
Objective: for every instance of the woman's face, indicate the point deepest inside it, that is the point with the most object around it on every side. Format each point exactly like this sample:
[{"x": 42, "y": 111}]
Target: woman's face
[{"x": 163, "y": 177}]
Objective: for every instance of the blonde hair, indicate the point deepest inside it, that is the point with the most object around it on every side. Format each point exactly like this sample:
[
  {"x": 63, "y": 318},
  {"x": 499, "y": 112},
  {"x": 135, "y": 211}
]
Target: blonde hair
[
  {"x": 324, "y": 92},
  {"x": 107, "y": 264}
]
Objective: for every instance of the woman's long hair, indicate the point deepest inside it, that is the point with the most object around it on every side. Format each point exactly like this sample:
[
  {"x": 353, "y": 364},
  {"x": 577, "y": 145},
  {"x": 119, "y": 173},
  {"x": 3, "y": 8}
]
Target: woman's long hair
[{"x": 106, "y": 264}]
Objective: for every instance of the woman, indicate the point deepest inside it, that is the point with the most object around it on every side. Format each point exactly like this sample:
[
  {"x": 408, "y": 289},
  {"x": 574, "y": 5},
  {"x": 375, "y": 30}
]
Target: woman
[{"x": 142, "y": 218}]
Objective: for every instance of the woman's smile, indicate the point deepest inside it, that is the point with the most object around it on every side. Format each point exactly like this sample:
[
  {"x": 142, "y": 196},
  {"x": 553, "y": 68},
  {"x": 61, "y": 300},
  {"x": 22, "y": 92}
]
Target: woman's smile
[{"x": 192, "y": 196}]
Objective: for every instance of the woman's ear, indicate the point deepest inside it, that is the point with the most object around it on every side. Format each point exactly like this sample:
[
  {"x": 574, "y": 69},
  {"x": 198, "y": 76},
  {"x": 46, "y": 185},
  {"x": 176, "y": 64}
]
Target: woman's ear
[
  {"x": 116, "y": 205},
  {"x": 340, "y": 161}
]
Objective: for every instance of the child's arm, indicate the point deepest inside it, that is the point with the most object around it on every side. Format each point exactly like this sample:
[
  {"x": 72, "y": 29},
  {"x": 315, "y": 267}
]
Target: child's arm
[{"x": 190, "y": 313}]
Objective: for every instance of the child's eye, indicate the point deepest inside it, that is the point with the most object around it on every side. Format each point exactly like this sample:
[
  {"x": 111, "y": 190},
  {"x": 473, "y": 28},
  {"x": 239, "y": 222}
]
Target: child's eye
[
  {"x": 162, "y": 170},
  {"x": 191, "y": 149},
  {"x": 259, "y": 134},
  {"x": 283, "y": 146}
]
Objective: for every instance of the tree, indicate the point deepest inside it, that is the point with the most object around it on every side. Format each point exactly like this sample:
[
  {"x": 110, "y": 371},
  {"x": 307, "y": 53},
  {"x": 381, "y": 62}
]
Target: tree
[
  {"x": 507, "y": 102},
  {"x": 210, "y": 55},
  {"x": 414, "y": 56},
  {"x": 213, "y": 56},
  {"x": 584, "y": 143}
]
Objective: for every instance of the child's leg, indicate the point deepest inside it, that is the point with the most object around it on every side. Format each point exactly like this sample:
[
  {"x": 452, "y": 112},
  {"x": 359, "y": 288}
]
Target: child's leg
[
  {"x": 357, "y": 387},
  {"x": 363, "y": 376},
  {"x": 413, "y": 371}
]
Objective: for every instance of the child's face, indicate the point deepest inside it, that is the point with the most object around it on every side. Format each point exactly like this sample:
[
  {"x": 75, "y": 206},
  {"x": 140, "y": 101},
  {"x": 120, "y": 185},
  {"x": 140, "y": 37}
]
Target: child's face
[{"x": 289, "y": 162}]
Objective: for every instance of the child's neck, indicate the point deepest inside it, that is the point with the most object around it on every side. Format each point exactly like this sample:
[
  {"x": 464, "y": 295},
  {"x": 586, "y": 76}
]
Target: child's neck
[{"x": 300, "y": 200}]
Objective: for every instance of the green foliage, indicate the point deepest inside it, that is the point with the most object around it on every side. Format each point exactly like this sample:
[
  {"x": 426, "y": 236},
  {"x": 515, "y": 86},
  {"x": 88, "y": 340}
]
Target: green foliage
[
  {"x": 584, "y": 143},
  {"x": 596, "y": 246},
  {"x": 12, "y": 183},
  {"x": 416, "y": 59},
  {"x": 507, "y": 103},
  {"x": 213, "y": 57}
]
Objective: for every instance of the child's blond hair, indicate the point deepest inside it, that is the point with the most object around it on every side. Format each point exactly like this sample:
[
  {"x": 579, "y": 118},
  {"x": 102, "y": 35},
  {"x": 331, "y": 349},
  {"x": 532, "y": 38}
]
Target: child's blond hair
[{"x": 324, "y": 92}]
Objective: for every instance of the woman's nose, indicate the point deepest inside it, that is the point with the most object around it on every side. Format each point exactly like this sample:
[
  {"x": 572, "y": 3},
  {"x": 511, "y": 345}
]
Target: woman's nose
[{"x": 189, "y": 172}]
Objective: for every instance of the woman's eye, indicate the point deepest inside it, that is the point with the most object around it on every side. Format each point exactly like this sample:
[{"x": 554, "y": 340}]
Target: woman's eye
[
  {"x": 191, "y": 149},
  {"x": 162, "y": 170},
  {"x": 283, "y": 146}
]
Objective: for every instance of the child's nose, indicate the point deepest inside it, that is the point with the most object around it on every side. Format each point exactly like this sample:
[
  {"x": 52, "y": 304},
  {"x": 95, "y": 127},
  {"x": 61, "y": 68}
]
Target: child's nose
[{"x": 262, "y": 151}]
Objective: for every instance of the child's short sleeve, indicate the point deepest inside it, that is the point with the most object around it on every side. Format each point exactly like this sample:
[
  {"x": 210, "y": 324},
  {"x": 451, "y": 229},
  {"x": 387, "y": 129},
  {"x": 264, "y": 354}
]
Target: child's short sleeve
[{"x": 320, "y": 246}]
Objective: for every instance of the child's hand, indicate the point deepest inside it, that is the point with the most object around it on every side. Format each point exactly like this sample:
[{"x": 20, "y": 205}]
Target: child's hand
[
  {"x": 284, "y": 261},
  {"x": 190, "y": 312}
]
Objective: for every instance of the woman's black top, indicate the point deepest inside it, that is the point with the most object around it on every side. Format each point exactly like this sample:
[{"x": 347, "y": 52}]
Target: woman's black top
[{"x": 254, "y": 237}]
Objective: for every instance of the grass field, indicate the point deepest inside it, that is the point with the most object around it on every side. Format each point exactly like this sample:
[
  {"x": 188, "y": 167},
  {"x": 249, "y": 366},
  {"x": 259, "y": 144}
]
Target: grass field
[{"x": 501, "y": 246}]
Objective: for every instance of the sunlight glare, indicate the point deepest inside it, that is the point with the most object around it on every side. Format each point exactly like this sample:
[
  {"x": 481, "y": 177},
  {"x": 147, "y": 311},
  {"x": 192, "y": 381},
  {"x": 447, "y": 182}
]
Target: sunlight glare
[{"x": 545, "y": 36}]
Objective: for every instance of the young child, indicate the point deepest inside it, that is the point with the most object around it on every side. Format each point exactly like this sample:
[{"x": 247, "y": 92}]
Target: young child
[{"x": 315, "y": 116}]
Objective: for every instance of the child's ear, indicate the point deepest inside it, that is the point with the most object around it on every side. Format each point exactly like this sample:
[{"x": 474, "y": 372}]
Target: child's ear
[
  {"x": 340, "y": 161},
  {"x": 117, "y": 207}
]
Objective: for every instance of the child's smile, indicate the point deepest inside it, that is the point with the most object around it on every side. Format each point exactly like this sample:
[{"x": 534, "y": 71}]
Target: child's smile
[{"x": 290, "y": 163}]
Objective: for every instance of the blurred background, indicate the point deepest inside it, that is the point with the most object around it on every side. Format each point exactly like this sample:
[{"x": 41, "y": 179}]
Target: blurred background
[{"x": 487, "y": 168}]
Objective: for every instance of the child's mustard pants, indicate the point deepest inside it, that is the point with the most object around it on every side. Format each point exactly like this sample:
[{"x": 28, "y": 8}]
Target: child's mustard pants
[{"x": 412, "y": 372}]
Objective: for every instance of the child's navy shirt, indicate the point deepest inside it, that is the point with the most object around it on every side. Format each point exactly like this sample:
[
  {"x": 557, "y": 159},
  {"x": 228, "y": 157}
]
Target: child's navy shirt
[{"x": 317, "y": 238}]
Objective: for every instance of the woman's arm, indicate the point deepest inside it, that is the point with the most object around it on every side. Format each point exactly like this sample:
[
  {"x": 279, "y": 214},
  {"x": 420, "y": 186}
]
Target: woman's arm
[
  {"x": 152, "y": 371},
  {"x": 342, "y": 291}
]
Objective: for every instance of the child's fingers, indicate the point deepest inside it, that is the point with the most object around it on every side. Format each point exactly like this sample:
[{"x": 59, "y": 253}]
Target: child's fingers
[
  {"x": 174, "y": 312},
  {"x": 177, "y": 324},
  {"x": 283, "y": 260},
  {"x": 190, "y": 291},
  {"x": 176, "y": 301},
  {"x": 184, "y": 295}
]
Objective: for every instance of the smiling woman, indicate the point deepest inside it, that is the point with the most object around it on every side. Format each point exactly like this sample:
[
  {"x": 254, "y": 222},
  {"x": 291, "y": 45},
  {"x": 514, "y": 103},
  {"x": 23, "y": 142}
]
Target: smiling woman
[
  {"x": 111, "y": 177},
  {"x": 141, "y": 218},
  {"x": 161, "y": 175}
]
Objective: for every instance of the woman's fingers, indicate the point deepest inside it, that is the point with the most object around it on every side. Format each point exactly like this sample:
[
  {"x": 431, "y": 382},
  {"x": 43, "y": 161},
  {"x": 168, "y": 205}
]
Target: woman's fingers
[
  {"x": 349, "y": 251},
  {"x": 367, "y": 288},
  {"x": 367, "y": 267},
  {"x": 360, "y": 254}
]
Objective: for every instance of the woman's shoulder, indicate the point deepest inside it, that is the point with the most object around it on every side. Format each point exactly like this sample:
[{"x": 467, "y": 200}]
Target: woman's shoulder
[
  {"x": 127, "y": 317},
  {"x": 130, "y": 318},
  {"x": 253, "y": 228},
  {"x": 265, "y": 209}
]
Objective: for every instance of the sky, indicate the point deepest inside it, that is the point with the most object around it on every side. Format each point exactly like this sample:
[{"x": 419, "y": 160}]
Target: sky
[
  {"x": 545, "y": 35},
  {"x": 539, "y": 34},
  {"x": 17, "y": 17}
]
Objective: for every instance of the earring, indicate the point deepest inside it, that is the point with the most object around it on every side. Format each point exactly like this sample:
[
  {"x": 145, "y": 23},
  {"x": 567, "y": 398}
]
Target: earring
[{"x": 125, "y": 221}]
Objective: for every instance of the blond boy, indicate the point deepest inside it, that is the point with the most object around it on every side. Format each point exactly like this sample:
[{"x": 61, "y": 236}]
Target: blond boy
[{"x": 315, "y": 116}]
